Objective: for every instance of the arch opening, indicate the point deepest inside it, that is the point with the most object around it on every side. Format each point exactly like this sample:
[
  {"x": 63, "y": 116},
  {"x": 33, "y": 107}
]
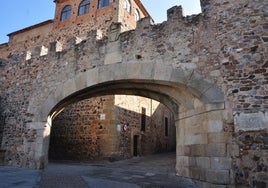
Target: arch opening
[{"x": 112, "y": 127}]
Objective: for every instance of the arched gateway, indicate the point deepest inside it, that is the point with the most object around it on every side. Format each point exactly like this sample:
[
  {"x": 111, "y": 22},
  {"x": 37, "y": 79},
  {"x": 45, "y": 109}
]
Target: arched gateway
[{"x": 197, "y": 104}]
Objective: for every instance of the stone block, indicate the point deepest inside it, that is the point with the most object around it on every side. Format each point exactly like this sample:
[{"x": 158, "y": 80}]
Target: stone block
[
  {"x": 80, "y": 81},
  {"x": 198, "y": 84},
  {"x": 196, "y": 139},
  {"x": 122, "y": 71},
  {"x": 195, "y": 173},
  {"x": 113, "y": 57},
  {"x": 162, "y": 72},
  {"x": 215, "y": 126},
  {"x": 106, "y": 74},
  {"x": 58, "y": 94},
  {"x": 180, "y": 132},
  {"x": 197, "y": 150},
  {"x": 69, "y": 87},
  {"x": 218, "y": 176},
  {"x": 223, "y": 137},
  {"x": 180, "y": 76},
  {"x": 187, "y": 150},
  {"x": 147, "y": 71},
  {"x": 221, "y": 163},
  {"x": 213, "y": 95},
  {"x": 180, "y": 150},
  {"x": 192, "y": 161},
  {"x": 216, "y": 150},
  {"x": 251, "y": 121},
  {"x": 92, "y": 77},
  {"x": 182, "y": 161},
  {"x": 183, "y": 171},
  {"x": 135, "y": 70},
  {"x": 48, "y": 106},
  {"x": 203, "y": 162}
]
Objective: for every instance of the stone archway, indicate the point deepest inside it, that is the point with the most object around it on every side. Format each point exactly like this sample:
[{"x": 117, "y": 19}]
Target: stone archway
[{"x": 197, "y": 105}]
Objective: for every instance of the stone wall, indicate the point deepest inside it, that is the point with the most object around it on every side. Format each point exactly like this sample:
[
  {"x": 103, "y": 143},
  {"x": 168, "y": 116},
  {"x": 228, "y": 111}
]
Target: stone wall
[
  {"x": 252, "y": 162},
  {"x": 206, "y": 148},
  {"x": 2, "y": 123},
  {"x": 80, "y": 133}
]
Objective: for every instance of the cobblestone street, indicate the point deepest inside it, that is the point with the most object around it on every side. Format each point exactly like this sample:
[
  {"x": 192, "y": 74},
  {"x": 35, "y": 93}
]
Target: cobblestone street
[{"x": 152, "y": 171}]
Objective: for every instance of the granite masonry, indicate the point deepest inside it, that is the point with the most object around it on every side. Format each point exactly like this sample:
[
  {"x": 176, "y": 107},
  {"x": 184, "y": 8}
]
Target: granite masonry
[{"x": 210, "y": 70}]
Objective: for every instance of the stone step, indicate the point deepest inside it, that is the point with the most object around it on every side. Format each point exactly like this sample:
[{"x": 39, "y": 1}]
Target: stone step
[{"x": 2, "y": 157}]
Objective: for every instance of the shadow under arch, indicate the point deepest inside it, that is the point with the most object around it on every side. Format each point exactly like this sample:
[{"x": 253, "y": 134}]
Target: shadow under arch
[{"x": 129, "y": 87}]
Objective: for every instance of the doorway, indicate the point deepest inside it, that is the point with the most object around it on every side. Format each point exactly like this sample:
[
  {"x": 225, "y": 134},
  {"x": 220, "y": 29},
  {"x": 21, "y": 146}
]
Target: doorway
[{"x": 135, "y": 145}]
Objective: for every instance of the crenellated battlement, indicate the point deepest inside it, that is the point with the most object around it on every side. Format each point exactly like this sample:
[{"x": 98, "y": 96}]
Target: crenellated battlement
[{"x": 174, "y": 14}]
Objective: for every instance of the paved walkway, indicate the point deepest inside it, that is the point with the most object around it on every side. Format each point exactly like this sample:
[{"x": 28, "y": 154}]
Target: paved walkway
[
  {"x": 13, "y": 177},
  {"x": 155, "y": 171}
]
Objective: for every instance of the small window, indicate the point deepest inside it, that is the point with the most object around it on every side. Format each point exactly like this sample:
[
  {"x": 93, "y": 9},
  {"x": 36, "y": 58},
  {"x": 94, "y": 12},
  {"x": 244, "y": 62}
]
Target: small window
[
  {"x": 84, "y": 7},
  {"x": 143, "y": 119},
  {"x": 66, "y": 12},
  {"x": 103, "y": 3},
  {"x": 137, "y": 15},
  {"x": 166, "y": 126},
  {"x": 127, "y": 6}
]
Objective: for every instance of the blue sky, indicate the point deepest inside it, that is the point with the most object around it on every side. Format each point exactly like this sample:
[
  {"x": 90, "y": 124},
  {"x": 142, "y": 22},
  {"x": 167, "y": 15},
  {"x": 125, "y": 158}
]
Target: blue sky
[{"x": 18, "y": 14}]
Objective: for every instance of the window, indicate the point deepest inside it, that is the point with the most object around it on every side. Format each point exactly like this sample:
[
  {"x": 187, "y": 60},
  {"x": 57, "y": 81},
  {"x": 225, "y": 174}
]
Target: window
[
  {"x": 103, "y": 3},
  {"x": 83, "y": 7},
  {"x": 127, "y": 5},
  {"x": 137, "y": 15},
  {"x": 66, "y": 13},
  {"x": 166, "y": 126},
  {"x": 143, "y": 118}
]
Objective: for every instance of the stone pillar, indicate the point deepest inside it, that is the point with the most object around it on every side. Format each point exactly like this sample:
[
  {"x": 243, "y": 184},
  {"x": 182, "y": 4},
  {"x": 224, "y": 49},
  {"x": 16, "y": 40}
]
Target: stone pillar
[
  {"x": 202, "y": 148},
  {"x": 37, "y": 146}
]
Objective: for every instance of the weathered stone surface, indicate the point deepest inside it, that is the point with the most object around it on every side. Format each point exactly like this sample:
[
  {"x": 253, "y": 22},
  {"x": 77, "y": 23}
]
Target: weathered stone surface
[
  {"x": 218, "y": 176},
  {"x": 216, "y": 150},
  {"x": 203, "y": 162},
  {"x": 251, "y": 121},
  {"x": 221, "y": 163}
]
